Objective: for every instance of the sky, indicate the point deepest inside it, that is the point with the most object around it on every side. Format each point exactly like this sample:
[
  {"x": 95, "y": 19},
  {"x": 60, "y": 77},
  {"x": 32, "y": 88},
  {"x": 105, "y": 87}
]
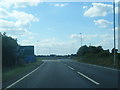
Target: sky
[{"x": 58, "y": 27}]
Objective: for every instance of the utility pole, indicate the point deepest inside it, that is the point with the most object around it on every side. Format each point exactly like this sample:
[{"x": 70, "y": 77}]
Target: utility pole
[{"x": 114, "y": 32}]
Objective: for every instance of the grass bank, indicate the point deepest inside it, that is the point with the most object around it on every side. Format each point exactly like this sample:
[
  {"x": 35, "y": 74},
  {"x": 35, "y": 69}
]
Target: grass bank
[
  {"x": 13, "y": 72},
  {"x": 106, "y": 61}
]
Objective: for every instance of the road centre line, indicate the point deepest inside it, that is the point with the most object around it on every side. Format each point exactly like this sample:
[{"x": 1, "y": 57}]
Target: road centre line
[
  {"x": 84, "y": 76},
  {"x": 88, "y": 78},
  {"x": 71, "y": 67},
  {"x": 23, "y": 77}
]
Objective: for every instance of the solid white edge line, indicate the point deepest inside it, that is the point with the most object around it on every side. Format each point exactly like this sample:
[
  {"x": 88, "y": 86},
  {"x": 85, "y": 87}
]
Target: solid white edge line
[
  {"x": 88, "y": 78},
  {"x": 70, "y": 67},
  {"x": 23, "y": 77}
]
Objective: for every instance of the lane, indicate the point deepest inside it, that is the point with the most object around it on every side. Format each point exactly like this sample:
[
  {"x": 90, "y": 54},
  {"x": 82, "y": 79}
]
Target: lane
[
  {"x": 54, "y": 74},
  {"x": 108, "y": 78}
]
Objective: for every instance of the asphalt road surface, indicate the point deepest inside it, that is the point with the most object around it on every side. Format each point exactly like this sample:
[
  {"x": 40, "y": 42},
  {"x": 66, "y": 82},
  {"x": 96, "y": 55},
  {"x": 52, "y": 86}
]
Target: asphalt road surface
[{"x": 68, "y": 74}]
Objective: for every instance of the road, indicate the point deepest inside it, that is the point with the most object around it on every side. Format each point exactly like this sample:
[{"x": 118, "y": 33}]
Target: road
[{"x": 68, "y": 74}]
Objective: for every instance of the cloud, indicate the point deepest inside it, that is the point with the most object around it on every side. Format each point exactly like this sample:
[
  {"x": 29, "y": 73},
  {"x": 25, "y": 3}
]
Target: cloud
[
  {"x": 6, "y": 24},
  {"x": 78, "y": 36},
  {"x": 85, "y": 38},
  {"x": 19, "y": 3},
  {"x": 51, "y": 45},
  {"x": 17, "y": 32},
  {"x": 116, "y": 28},
  {"x": 16, "y": 23},
  {"x": 104, "y": 40},
  {"x": 99, "y": 9},
  {"x": 60, "y": 5},
  {"x": 3, "y": 13},
  {"x": 102, "y": 23},
  {"x": 23, "y": 19},
  {"x": 84, "y": 7},
  {"x": 27, "y": 42},
  {"x": 51, "y": 42}
]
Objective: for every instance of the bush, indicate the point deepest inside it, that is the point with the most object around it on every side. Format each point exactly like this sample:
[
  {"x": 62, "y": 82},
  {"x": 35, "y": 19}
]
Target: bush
[{"x": 104, "y": 54}]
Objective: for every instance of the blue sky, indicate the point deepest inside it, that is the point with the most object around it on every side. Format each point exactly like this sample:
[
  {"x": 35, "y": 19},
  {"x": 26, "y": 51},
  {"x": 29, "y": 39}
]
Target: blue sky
[{"x": 55, "y": 27}]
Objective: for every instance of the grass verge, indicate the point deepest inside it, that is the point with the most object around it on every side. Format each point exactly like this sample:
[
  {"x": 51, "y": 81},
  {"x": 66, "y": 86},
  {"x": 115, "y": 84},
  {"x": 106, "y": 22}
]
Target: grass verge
[
  {"x": 102, "y": 61},
  {"x": 10, "y": 73}
]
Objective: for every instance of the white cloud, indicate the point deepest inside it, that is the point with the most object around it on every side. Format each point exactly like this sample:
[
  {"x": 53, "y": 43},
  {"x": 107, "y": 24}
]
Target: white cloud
[
  {"x": 78, "y": 36},
  {"x": 116, "y": 28},
  {"x": 104, "y": 40},
  {"x": 16, "y": 23},
  {"x": 117, "y": 10},
  {"x": 99, "y": 9},
  {"x": 85, "y": 38},
  {"x": 23, "y": 19},
  {"x": 17, "y": 32},
  {"x": 19, "y": 3},
  {"x": 6, "y": 24},
  {"x": 51, "y": 42},
  {"x": 51, "y": 45},
  {"x": 84, "y": 7},
  {"x": 60, "y": 5},
  {"x": 102, "y": 23},
  {"x": 3, "y": 13},
  {"x": 27, "y": 42}
]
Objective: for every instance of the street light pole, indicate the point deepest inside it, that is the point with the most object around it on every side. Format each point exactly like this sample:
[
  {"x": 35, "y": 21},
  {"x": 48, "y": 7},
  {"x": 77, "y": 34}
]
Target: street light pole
[
  {"x": 81, "y": 43},
  {"x": 114, "y": 32}
]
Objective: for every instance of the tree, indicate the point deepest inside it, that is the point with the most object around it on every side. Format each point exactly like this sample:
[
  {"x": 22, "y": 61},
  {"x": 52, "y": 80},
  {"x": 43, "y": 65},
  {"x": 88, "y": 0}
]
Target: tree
[
  {"x": 9, "y": 46},
  {"x": 92, "y": 50},
  {"x": 82, "y": 50},
  {"x": 115, "y": 50}
]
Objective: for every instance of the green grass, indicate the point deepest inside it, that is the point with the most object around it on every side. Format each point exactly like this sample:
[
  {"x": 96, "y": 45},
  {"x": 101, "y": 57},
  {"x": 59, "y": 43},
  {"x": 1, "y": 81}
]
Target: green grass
[
  {"x": 10, "y": 73},
  {"x": 97, "y": 60}
]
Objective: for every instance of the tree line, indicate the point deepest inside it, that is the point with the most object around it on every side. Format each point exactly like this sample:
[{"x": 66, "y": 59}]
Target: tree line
[
  {"x": 9, "y": 46},
  {"x": 97, "y": 55},
  {"x": 84, "y": 50}
]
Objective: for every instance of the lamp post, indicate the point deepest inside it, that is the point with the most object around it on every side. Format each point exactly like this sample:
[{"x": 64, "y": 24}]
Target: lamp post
[
  {"x": 81, "y": 39},
  {"x": 114, "y": 32},
  {"x": 81, "y": 43}
]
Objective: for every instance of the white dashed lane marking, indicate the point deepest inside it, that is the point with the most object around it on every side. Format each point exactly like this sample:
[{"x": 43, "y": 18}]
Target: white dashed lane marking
[
  {"x": 88, "y": 78},
  {"x": 71, "y": 67},
  {"x": 95, "y": 82}
]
